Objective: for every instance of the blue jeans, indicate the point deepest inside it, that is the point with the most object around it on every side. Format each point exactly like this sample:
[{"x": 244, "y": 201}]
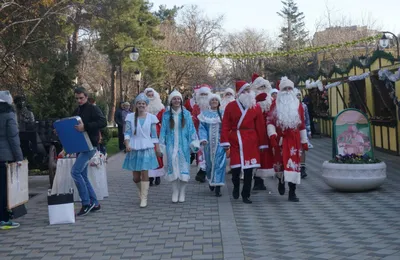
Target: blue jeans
[{"x": 79, "y": 173}]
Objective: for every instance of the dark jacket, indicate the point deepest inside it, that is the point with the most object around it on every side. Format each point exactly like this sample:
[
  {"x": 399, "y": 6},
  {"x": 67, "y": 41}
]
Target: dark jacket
[
  {"x": 118, "y": 117},
  {"x": 10, "y": 149},
  {"x": 93, "y": 120}
]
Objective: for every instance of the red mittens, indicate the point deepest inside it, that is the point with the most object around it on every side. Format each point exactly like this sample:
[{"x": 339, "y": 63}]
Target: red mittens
[{"x": 305, "y": 146}]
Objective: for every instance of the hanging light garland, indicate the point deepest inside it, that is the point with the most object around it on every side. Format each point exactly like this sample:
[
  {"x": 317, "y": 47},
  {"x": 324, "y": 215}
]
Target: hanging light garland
[{"x": 163, "y": 52}]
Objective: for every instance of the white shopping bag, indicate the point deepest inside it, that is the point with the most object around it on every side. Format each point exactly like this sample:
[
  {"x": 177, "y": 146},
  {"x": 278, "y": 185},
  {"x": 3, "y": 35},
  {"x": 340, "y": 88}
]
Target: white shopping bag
[
  {"x": 61, "y": 208},
  {"x": 17, "y": 184}
]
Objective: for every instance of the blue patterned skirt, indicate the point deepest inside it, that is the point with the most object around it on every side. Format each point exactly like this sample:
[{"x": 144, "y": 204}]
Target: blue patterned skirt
[{"x": 140, "y": 160}]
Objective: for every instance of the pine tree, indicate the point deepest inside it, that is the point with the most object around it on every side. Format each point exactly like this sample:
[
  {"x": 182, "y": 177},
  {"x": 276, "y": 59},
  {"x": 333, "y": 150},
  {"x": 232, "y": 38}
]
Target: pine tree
[{"x": 293, "y": 33}]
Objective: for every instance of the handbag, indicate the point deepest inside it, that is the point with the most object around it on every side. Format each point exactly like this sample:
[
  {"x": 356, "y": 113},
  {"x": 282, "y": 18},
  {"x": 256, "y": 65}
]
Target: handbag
[{"x": 61, "y": 208}]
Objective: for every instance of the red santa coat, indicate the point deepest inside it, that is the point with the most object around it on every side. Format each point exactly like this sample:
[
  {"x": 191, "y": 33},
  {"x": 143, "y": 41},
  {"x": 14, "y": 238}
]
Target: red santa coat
[
  {"x": 159, "y": 171},
  {"x": 195, "y": 112},
  {"x": 266, "y": 156},
  {"x": 189, "y": 104},
  {"x": 243, "y": 130},
  {"x": 287, "y": 158}
]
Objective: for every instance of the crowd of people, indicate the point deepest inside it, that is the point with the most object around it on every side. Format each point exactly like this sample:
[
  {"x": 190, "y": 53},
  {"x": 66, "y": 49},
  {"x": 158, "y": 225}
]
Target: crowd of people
[{"x": 252, "y": 132}]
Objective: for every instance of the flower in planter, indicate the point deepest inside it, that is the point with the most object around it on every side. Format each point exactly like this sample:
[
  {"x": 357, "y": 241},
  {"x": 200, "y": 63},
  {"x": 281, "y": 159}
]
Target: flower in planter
[{"x": 354, "y": 159}]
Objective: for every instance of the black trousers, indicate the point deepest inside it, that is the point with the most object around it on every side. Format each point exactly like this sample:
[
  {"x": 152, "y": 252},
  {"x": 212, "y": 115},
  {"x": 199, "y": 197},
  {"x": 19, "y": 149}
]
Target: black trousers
[
  {"x": 248, "y": 177},
  {"x": 4, "y": 215},
  {"x": 121, "y": 137}
]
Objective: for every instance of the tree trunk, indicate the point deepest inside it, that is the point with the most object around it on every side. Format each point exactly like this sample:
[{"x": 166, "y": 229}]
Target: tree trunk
[{"x": 113, "y": 93}]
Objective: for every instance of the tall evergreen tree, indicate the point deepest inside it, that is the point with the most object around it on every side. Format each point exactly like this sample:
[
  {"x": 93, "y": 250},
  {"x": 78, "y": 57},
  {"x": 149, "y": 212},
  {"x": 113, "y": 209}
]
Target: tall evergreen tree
[{"x": 293, "y": 33}]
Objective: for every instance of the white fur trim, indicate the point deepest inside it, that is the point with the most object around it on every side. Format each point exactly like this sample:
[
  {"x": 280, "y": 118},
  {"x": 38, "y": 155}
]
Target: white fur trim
[
  {"x": 225, "y": 144},
  {"x": 242, "y": 88},
  {"x": 271, "y": 130},
  {"x": 154, "y": 140},
  {"x": 173, "y": 94},
  {"x": 251, "y": 166},
  {"x": 292, "y": 176},
  {"x": 208, "y": 120},
  {"x": 263, "y": 147},
  {"x": 303, "y": 136},
  {"x": 236, "y": 166},
  {"x": 203, "y": 90},
  {"x": 157, "y": 172},
  {"x": 195, "y": 146},
  {"x": 264, "y": 173}
]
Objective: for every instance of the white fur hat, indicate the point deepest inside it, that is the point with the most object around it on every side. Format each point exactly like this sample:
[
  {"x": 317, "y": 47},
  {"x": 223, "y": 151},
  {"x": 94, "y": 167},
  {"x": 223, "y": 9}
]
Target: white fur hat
[
  {"x": 286, "y": 83},
  {"x": 258, "y": 81},
  {"x": 212, "y": 96},
  {"x": 173, "y": 94},
  {"x": 204, "y": 89},
  {"x": 5, "y": 96},
  {"x": 152, "y": 90},
  {"x": 228, "y": 90},
  {"x": 274, "y": 90}
]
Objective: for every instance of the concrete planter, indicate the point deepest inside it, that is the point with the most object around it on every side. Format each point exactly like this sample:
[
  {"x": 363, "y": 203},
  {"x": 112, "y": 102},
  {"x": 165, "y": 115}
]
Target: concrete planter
[{"x": 354, "y": 177}]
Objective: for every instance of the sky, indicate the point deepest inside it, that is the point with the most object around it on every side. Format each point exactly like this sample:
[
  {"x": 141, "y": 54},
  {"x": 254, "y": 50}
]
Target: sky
[{"x": 262, "y": 14}]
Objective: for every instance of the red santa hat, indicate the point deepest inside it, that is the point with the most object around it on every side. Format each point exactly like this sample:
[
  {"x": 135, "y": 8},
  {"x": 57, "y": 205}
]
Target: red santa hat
[
  {"x": 258, "y": 81},
  {"x": 240, "y": 86},
  {"x": 196, "y": 88},
  {"x": 173, "y": 94}
]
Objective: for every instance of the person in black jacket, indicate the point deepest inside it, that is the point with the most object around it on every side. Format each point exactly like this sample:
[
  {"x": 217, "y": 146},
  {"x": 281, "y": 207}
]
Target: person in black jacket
[
  {"x": 10, "y": 151},
  {"x": 120, "y": 123},
  {"x": 92, "y": 121}
]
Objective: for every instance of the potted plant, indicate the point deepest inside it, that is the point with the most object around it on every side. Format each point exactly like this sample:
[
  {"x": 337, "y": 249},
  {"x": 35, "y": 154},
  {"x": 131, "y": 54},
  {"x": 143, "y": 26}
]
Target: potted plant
[
  {"x": 354, "y": 172},
  {"x": 353, "y": 167}
]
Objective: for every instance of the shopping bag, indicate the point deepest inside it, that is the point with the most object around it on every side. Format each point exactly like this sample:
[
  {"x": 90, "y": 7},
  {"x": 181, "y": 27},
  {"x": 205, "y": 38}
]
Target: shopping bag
[
  {"x": 61, "y": 208},
  {"x": 17, "y": 184}
]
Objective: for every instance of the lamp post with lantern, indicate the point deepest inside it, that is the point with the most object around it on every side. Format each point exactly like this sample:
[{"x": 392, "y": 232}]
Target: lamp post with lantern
[
  {"x": 384, "y": 42},
  {"x": 134, "y": 56}
]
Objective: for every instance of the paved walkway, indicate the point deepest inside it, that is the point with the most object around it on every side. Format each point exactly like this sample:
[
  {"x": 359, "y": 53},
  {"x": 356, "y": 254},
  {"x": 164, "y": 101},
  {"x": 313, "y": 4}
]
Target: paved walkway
[{"x": 324, "y": 225}]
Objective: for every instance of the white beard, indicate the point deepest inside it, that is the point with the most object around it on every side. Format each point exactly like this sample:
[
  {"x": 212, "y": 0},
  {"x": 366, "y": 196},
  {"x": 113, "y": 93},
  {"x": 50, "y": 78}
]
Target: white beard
[
  {"x": 266, "y": 105},
  {"x": 202, "y": 102},
  {"x": 225, "y": 101},
  {"x": 248, "y": 100},
  {"x": 287, "y": 109},
  {"x": 155, "y": 106}
]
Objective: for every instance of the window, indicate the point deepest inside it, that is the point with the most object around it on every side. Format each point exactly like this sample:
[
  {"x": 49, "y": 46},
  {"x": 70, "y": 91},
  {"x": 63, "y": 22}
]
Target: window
[
  {"x": 358, "y": 95},
  {"x": 384, "y": 108}
]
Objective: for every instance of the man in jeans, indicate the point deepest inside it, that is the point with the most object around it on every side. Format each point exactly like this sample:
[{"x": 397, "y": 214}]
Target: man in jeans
[{"x": 92, "y": 121}]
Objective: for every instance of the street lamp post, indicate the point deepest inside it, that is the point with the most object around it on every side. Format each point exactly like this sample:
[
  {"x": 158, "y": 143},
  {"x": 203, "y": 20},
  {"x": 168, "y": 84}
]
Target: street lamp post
[
  {"x": 384, "y": 42},
  {"x": 134, "y": 56}
]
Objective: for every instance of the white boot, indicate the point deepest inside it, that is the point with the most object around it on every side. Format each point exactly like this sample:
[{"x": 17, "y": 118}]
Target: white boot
[
  {"x": 175, "y": 191},
  {"x": 144, "y": 192},
  {"x": 182, "y": 191},
  {"x": 139, "y": 186}
]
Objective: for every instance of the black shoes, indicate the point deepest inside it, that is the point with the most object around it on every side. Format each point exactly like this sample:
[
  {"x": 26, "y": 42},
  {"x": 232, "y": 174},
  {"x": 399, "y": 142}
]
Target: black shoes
[
  {"x": 259, "y": 184},
  {"x": 201, "y": 176},
  {"x": 211, "y": 187},
  {"x": 303, "y": 173},
  {"x": 192, "y": 157},
  {"x": 247, "y": 201},
  {"x": 158, "y": 181},
  {"x": 96, "y": 208},
  {"x": 292, "y": 193},
  {"x": 85, "y": 210},
  {"x": 218, "y": 191},
  {"x": 151, "y": 180}
]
